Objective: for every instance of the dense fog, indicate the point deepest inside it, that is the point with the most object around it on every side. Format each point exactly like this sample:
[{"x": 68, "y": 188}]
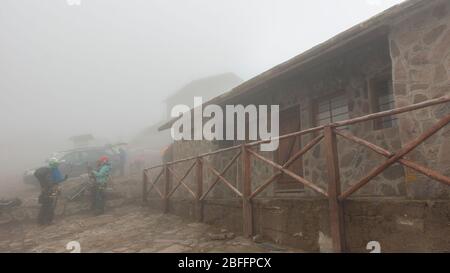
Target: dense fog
[{"x": 104, "y": 67}]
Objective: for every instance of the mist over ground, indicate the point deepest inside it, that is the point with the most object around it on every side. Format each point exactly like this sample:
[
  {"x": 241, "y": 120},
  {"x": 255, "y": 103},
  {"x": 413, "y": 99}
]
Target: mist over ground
[{"x": 104, "y": 67}]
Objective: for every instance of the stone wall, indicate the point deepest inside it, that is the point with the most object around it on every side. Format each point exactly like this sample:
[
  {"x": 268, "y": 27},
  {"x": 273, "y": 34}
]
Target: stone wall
[
  {"x": 416, "y": 52},
  {"x": 348, "y": 73},
  {"x": 399, "y": 225},
  {"x": 420, "y": 50}
]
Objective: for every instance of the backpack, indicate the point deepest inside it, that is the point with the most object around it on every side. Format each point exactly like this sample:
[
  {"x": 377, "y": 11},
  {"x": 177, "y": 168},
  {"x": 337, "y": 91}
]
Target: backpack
[{"x": 43, "y": 175}]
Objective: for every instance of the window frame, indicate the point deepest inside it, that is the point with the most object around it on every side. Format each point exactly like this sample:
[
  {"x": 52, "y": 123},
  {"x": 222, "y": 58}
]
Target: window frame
[
  {"x": 328, "y": 97},
  {"x": 374, "y": 96}
]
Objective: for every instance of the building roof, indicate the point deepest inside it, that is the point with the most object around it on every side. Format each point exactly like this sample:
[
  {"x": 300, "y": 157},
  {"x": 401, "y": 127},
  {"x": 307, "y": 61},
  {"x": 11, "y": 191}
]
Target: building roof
[
  {"x": 374, "y": 23},
  {"x": 208, "y": 86}
]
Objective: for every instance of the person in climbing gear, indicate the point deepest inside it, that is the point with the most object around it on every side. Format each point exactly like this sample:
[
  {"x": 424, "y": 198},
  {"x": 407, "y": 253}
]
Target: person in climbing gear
[
  {"x": 101, "y": 177},
  {"x": 49, "y": 179},
  {"x": 122, "y": 160}
]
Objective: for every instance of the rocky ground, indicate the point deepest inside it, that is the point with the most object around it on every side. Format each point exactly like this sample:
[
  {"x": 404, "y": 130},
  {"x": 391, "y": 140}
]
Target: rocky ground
[{"x": 126, "y": 229}]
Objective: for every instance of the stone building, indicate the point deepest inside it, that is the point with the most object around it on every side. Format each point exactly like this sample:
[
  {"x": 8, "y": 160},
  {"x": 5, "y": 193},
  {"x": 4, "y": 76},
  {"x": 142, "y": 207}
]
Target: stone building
[{"x": 397, "y": 58}]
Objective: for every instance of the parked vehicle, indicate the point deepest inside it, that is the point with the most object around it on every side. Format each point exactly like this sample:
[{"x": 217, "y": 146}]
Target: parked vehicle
[{"x": 74, "y": 163}]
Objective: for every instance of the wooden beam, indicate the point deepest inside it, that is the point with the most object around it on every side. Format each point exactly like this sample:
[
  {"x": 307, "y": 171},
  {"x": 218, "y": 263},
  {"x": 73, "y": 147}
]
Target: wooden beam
[
  {"x": 334, "y": 190},
  {"x": 247, "y": 208},
  {"x": 391, "y": 112},
  {"x": 180, "y": 181},
  {"x": 265, "y": 184},
  {"x": 221, "y": 173},
  {"x": 291, "y": 160},
  {"x": 223, "y": 179},
  {"x": 303, "y": 151},
  {"x": 144, "y": 187},
  {"x": 294, "y": 134},
  {"x": 153, "y": 184},
  {"x": 195, "y": 157},
  {"x": 288, "y": 172},
  {"x": 426, "y": 171},
  {"x": 402, "y": 152},
  {"x": 166, "y": 189},
  {"x": 159, "y": 192},
  {"x": 199, "y": 180},
  {"x": 366, "y": 143},
  {"x": 408, "y": 163}
]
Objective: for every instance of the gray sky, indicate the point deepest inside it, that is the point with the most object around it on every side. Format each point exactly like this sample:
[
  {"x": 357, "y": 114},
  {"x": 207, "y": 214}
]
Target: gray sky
[{"x": 105, "y": 66}]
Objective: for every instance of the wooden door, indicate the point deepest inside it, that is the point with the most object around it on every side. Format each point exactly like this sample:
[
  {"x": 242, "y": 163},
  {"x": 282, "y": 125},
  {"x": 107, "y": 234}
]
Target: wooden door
[{"x": 289, "y": 123}]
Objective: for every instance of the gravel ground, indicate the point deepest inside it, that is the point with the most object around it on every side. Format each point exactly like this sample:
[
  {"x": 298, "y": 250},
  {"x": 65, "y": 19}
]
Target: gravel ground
[{"x": 127, "y": 229}]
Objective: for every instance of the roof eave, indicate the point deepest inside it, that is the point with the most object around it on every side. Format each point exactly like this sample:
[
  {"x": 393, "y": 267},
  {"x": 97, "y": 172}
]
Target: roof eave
[{"x": 384, "y": 18}]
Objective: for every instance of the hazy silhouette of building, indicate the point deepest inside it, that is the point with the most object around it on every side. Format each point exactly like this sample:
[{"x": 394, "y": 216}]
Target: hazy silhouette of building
[{"x": 207, "y": 88}]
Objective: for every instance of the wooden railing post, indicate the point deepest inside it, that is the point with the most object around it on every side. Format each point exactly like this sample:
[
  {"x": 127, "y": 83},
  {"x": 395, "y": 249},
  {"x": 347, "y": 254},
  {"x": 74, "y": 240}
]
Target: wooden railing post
[
  {"x": 166, "y": 189},
  {"x": 144, "y": 187},
  {"x": 246, "y": 193},
  {"x": 334, "y": 190},
  {"x": 198, "y": 200}
]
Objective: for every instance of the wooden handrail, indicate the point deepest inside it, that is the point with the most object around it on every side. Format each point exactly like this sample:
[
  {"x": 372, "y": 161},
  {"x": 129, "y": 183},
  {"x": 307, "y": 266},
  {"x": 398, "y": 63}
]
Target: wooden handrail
[
  {"x": 156, "y": 181},
  {"x": 295, "y": 134},
  {"x": 405, "y": 150},
  {"x": 289, "y": 162},
  {"x": 221, "y": 173},
  {"x": 333, "y": 192},
  {"x": 223, "y": 179},
  {"x": 288, "y": 172},
  {"x": 408, "y": 163},
  {"x": 181, "y": 180},
  {"x": 391, "y": 112},
  {"x": 195, "y": 157},
  {"x": 368, "y": 117}
]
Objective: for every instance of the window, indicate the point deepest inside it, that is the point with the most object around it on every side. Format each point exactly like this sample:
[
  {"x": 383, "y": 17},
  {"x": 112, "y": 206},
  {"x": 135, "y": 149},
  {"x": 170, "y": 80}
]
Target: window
[
  {"x": 331, "y": 109},
  {"x": 382, "y": 99}
]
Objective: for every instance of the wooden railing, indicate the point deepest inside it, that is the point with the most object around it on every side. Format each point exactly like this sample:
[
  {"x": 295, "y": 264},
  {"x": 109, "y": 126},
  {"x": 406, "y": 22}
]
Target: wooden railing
[{"x": 328, "y": 134}]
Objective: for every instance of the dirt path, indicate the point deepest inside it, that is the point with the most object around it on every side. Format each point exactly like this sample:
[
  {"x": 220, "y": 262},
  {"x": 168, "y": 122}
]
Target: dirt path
[{"x": 125, "y": 229}]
